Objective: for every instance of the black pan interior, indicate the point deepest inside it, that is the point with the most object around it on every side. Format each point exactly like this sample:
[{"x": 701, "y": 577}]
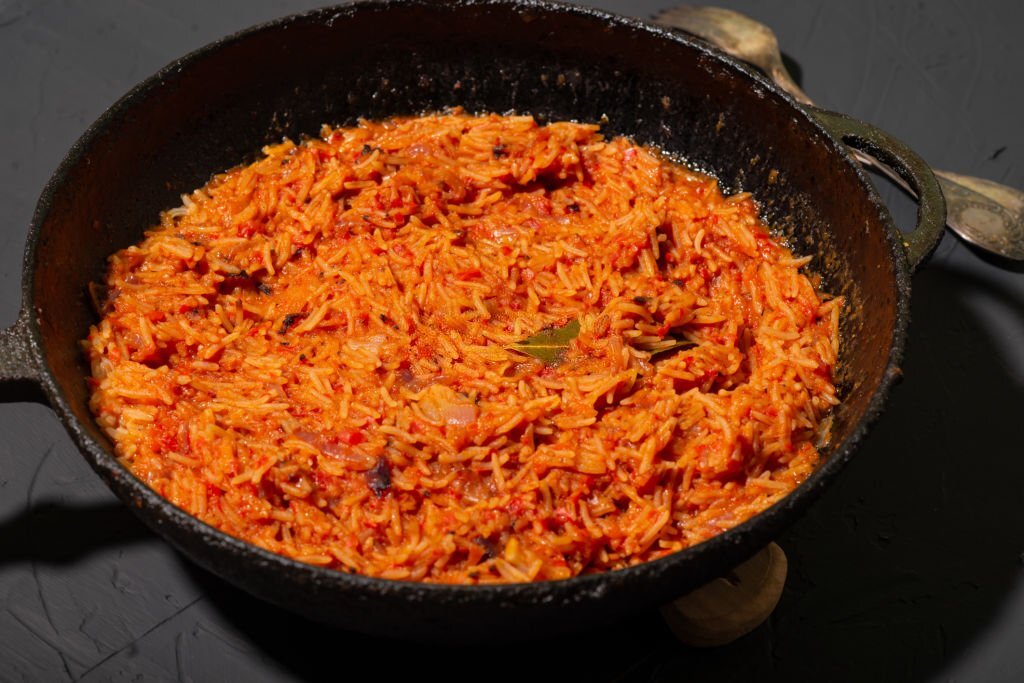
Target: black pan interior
[{"x": 216, "y": 108}]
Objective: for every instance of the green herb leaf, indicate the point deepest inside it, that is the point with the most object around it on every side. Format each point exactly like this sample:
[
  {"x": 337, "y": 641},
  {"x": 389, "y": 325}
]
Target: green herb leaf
[
  {"x": 550, "y": 345},
  {"x": 666, "y": 345}
]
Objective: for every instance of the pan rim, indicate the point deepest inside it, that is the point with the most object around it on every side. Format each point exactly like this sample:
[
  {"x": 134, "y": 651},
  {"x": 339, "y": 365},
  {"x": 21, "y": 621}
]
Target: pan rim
[{"x": 734, "y": 544}]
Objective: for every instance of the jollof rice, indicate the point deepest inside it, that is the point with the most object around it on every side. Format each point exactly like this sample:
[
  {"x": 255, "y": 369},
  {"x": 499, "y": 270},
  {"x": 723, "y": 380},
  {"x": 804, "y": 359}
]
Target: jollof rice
[{"x": 312, "y": 353}]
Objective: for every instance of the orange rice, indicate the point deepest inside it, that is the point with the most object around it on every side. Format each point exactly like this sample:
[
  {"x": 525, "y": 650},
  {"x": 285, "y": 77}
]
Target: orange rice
[{"x": 312, "y": 353}]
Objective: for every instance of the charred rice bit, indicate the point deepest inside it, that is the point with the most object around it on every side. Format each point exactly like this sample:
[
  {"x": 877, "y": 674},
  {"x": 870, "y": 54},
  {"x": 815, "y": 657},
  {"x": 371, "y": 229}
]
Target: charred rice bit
[{"x": 311, "y": 353}]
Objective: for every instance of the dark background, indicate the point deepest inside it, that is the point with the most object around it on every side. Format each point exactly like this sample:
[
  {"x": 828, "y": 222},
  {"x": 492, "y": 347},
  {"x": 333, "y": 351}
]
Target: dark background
[{"x": 911, "y": 568}]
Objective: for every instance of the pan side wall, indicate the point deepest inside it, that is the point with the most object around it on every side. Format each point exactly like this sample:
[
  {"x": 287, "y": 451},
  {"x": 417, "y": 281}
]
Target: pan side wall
[{"x": 217, "y": 108}]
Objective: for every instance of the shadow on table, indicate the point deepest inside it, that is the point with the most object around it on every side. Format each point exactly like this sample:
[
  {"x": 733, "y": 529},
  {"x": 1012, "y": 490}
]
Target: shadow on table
[
  {"x": 894, "y": 572},
  {"x": 55, "y": 533},
  {"x": 308, "y": 650}
]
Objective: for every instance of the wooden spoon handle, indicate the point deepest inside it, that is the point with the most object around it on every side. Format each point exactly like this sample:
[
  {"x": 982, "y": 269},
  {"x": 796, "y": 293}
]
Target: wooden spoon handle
[{"x": 731, "y": 606}]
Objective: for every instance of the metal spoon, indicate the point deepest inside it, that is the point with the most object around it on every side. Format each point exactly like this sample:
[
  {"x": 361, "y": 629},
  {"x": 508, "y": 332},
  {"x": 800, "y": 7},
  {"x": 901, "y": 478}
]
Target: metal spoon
[{"x": 984, "y": 213}]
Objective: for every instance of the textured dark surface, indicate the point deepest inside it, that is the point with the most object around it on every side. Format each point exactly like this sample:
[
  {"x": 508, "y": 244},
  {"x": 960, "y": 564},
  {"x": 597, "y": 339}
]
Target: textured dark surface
[{"x": 885, "y": 584}]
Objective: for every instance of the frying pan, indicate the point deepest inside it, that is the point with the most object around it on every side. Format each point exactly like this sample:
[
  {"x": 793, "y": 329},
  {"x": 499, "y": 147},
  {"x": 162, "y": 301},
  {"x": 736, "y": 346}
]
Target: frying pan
[{"x": 219, "y": 105}]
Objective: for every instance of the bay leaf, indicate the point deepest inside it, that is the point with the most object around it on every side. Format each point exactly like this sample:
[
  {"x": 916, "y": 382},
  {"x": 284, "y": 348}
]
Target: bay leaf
[
  {"x": 548, "y": 345},
  {"x": 673, "y": 345}
]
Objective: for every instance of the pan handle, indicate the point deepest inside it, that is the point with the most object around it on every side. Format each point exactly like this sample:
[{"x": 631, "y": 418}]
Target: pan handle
[
  {"x": 19, "y": 371},
  {"x": 931, "y": 208}
]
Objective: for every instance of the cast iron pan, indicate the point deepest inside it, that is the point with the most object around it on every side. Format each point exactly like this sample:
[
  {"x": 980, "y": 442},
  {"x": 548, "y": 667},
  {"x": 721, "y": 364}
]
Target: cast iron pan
[{"x": 217, "y": 107}]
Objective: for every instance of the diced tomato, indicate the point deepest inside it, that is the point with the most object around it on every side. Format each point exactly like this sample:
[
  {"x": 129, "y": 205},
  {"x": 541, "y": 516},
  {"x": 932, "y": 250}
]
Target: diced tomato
[
  {"x": 248, "y": 229},
  {"x": 166, "y": 439},
  {"x": 351, "y": 437},
  {"x": 562, "y": 517}
]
